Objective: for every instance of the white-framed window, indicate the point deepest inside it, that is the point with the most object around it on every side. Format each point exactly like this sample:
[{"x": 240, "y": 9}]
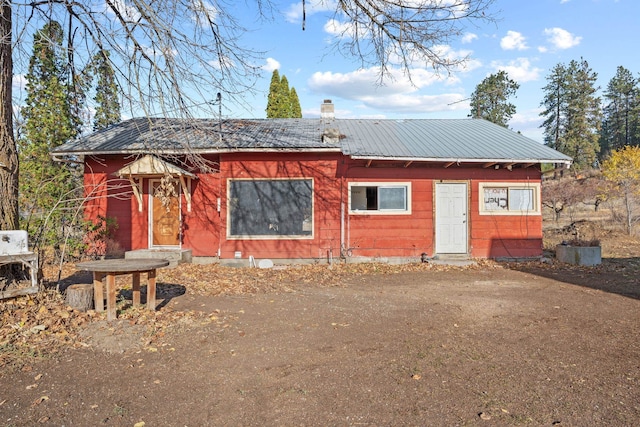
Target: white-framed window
[
  {"x": 388, "y": 198},
  {"x": 270, "y": 208},
  {"x": 509, "y": 198}
]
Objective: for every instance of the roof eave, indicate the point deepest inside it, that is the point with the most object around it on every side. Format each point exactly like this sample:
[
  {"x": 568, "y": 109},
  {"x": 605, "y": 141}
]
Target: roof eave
[
  {"x": 193, "y": 151},
  {"x": 461, "y": 160}
]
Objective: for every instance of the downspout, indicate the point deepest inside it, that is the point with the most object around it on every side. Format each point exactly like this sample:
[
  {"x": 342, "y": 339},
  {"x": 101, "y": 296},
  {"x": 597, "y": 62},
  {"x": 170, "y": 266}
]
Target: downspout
[
  {"x": 342, "y": 246},
  {"x": 219, "y": 208}
]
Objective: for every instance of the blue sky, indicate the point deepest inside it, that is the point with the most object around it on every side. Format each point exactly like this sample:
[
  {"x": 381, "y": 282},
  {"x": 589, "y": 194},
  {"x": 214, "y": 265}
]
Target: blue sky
[{"x": 529, "y": 39}]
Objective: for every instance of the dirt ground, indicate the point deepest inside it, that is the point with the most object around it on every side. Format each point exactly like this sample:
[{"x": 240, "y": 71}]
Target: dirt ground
[{"x": 492, "y": 344}]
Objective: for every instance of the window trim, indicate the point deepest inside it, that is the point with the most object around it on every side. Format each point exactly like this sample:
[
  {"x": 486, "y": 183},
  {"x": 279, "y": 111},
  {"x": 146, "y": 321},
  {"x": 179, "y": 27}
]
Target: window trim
[
  {"x": 274, "y": 236},
  {"x": 405, "y": 184},
  {"x": 537, "y": 205}
]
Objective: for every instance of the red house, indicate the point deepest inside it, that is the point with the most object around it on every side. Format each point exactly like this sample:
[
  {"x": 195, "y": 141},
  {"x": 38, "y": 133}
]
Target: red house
[{"x": 317, "y": 189}]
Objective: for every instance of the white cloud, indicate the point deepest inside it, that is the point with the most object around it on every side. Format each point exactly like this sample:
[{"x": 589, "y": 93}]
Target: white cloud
[
  {"x": 294, "y": 14},
  {"x": 528, "y": 123},
  {"x": 223, "y": 62},
  {"x": 340, "y": 29},
  {"x": 398, "y": 94},
  {"x": 19, "y": 82},
  {"x": 271, "y": 65},
  {"x": 203, "y": 13},
  {"x": 470, "y": 65},
  {"x": 403, "y": 103},
  {"x": 357, "y": 84},
  {"x": 469, "y": 37},
  {"x": 128, "y": 12},
  {"x": 513, "y": 41},
  {"x": 519, "y": 70},
  {"x": 460, "y": 57},
  {"x": 561, "y": 39}
]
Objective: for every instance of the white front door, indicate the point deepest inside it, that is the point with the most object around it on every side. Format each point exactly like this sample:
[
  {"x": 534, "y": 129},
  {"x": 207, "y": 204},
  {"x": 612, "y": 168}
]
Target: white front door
[{"x": 451, "y": 218}]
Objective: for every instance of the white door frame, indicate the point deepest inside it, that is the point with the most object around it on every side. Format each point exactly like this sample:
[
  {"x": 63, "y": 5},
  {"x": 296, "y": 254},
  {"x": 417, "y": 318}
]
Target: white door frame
[{"x": 451, "y": 217}]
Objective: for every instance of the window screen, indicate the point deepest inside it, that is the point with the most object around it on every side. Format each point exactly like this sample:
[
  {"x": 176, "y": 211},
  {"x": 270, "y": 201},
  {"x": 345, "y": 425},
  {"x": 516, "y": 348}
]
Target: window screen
[{"x": 279, "y": 207}]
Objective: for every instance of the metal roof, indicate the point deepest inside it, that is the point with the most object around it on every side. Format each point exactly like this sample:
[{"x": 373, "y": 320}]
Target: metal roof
[{"x": 454, "y": 140}]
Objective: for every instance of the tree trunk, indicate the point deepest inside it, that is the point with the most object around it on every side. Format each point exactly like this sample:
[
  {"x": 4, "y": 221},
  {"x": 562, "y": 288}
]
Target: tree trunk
[
  {"x": 8, "y": 152},
  {"x": 80, "y": 296}
]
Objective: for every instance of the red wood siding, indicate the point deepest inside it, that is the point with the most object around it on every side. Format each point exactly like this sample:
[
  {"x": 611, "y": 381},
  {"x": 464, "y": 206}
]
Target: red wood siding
[
  {"x": 411, "y": 235},
  {"x": 109, "y": 196},
  {"x": 200, "y": 227},
  {"x": 326, "y": 198},
  {"x": 204, "y": 229},
  {"x": 510, "y": 236}
]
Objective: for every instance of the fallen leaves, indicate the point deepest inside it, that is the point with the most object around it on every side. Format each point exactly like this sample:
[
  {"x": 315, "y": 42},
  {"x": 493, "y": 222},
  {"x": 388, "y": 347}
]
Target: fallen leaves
[
  {"x": 214, "y": 279},
  {"x": 42, "y": 324},
  {"x": 33, "y": 325},
  {"x": 40, "y": 400}
]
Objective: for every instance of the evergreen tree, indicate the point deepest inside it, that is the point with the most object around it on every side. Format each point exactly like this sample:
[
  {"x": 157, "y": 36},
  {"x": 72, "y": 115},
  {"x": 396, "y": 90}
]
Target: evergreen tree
[
  {"x": 274, "y": 98},
  {"x": 489, "y": 100},
  {"x": 106, "y": 97},
  {"x": 49, "y": 121},
  {"x": 572, "y": 112},
  {"x": 584, "y": 116},
  {"x": 621, "y": 114},
  {"x": 48, "y": 118},
  {"x": 282, "y": 102},
  {"x": 296, "y": 111},
  {"x": 554, "y": 104},
  {"x": 285, "y": 98}
]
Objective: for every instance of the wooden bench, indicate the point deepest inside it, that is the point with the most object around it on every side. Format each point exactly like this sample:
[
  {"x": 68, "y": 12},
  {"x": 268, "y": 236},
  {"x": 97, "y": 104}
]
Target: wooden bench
[{"x": 14, "y": 249}]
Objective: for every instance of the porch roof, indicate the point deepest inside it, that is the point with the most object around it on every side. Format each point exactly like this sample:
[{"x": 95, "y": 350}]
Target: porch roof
[{"x": 152, "y": 166}]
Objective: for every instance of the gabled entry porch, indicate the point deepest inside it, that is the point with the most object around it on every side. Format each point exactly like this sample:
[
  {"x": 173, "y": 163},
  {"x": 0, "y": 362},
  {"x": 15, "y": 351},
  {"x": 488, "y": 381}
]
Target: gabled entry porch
[{"x": 159, "y": 186}]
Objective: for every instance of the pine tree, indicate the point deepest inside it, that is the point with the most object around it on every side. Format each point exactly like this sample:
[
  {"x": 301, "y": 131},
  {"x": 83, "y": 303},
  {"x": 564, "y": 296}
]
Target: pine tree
[
  {"x": 554, "y": 104},
  {"x": 621, "y": 114},
  {"x": 583, "y": 114},
  {"x": 572, "y": 112},
  {"x": 106, "y": 97},
  {"x": 49, "y": 121},
  {"x": 489, "y": 100}
]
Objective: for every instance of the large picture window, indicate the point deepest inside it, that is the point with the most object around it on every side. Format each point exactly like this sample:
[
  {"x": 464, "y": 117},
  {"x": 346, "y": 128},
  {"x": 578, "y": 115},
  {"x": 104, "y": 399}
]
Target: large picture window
[
  {"x": 275, "y": 208},
  {"x": 509, "y": 198},
  {"x": 386, "y": 198}
]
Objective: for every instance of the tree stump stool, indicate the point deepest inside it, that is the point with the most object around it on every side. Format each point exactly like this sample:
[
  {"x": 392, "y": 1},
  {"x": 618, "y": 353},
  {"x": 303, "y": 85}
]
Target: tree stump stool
[{"x": 80, "y": 296}]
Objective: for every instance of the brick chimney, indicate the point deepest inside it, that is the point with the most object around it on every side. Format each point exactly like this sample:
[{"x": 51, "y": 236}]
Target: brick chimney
[{"x": 327, "y": 110}]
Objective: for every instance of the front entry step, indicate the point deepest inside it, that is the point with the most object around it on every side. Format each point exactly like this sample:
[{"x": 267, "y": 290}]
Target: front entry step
[{"x": 174, "y": 256}]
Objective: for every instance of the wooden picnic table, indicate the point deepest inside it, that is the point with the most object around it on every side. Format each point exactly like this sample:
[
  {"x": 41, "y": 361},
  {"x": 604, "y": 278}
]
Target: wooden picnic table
[{"x": 110, "y": 268}]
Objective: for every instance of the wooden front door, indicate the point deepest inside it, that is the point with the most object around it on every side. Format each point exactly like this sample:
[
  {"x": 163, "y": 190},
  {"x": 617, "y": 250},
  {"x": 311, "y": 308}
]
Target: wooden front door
[
  {"x": 164, "y": 215},
  {"x": 451, "y": 218}
]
